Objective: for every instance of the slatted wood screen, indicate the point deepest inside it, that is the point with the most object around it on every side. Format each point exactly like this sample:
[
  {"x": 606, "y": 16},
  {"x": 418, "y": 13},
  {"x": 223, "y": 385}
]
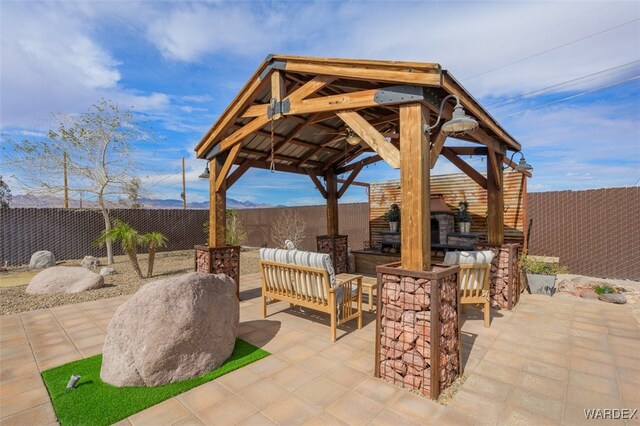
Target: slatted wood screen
[{"x": 455, "y": 188}]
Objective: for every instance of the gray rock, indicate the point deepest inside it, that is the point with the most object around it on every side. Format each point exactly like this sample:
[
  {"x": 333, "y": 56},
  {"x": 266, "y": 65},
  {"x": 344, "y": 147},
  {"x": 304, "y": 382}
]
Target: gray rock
[
  {"x": 64, "y": 279},
  {"x": 171, "y": 330},
  {"x": 90, "y": 262},
  {"x": 566, "y": 286},
  {"x": 42, "y": 259},
  {"x": 107, "y": 270},
  {"x": 613, "y": 298},
  {"x": 588, "y": 295}
]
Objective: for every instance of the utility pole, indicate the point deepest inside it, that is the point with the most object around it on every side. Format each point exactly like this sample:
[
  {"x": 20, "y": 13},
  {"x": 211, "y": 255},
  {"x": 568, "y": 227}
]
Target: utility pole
[
  {"x": 66, "y": 187},
  {"x": 184, "y": 188}
]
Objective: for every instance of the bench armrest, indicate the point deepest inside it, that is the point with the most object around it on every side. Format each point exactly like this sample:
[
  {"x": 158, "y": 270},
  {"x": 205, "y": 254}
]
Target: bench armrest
[{"x": 353, "y": 279}]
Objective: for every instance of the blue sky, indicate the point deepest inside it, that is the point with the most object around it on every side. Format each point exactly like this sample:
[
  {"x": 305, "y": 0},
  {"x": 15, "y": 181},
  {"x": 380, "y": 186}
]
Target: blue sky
[{"x": 180, "y": 64}]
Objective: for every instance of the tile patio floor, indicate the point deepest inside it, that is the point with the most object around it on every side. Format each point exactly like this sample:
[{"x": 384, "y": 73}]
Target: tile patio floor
[{"x": 541, "y": 364}]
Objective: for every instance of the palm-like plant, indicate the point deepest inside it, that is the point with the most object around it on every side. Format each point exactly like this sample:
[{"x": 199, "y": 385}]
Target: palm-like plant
[
  {"x": 154, "y": 241},
  {"x": 129, "y": 240}
]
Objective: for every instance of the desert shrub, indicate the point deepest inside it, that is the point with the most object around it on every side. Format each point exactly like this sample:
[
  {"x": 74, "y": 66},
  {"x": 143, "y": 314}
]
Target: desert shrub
[
  {"x": 289, "y": 225},
  {"x": 604, "y": 289},
  {"x": 533, "y": 266}
]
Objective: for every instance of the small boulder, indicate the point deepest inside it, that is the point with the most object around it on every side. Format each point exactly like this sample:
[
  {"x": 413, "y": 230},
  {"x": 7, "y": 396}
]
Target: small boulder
[
  {"x": 613, "y": 298},
  {"x": 171, "y": 330},
  {"x": 90, "y": 262},
  {"x": 42, "y": 259},
  {"x": 107, "y": 270},
  {"x": 64, "y": 279}
]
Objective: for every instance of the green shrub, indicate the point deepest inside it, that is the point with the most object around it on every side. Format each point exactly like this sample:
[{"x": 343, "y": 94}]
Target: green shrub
[
  {"x": 604, "y": 289},
  {"x": 532, "y": 266}
]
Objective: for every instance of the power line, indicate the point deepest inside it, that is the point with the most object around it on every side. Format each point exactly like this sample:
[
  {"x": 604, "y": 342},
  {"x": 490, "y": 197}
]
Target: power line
[
  {"x": 560, "y": 84},
  {"x": 573, "y": 96},
  {"x": 539, "y": 32},
  {"x": 553, "y": 48}
]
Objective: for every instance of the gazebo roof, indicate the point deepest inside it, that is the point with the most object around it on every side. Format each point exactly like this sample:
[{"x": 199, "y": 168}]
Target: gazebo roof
[{"x": 314, "y": 92}]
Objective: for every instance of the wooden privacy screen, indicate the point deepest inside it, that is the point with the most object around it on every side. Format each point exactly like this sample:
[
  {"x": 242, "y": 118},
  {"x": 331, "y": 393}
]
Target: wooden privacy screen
[{"x": 455, "y": 188}]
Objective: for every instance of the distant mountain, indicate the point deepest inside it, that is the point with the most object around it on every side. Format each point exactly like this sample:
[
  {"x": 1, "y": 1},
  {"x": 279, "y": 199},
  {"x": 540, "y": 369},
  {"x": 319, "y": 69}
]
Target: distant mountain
[{"x": 32, "y": 201}]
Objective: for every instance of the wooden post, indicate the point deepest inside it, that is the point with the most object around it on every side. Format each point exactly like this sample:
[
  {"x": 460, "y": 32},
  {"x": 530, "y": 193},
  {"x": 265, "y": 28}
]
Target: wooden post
[
  {"x": 66, "y": 186},
  {"x": 495, "y": 201},
  {"x": 217, "y": 203},
  {"x": 415, "y": 165},
  {"x": 184, "y": 188},
  {"x": 332, "y": 204}
]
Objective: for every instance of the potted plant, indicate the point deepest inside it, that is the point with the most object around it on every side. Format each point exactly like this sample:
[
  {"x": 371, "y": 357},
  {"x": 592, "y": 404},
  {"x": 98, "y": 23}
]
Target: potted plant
[
  {"x": 393, "y": 217},
  {"x": 464, "y": 219},
  {"x": 541, "y": 275}
]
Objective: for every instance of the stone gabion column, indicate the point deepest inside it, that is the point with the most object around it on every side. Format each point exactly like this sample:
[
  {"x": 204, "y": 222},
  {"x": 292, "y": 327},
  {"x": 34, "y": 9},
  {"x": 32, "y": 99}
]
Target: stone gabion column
[
  {"x": 336, "y": 247},
  {"x": 505, "y": 274},
  {"x": 219, "y": 260},
  {"x": 418, "y": 328}
]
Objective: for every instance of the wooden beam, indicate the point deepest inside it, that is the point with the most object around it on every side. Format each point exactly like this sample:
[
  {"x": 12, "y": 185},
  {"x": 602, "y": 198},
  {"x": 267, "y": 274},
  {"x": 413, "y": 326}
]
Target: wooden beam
[
  {"x": 231, "y": 158},
  {"x": 408, "y": 76},
  {"x": 415, "y": 248},
  {"x": 217, "y": 203},
  {"x": 495, "y": 203},
  {"x": 294, "y": 132},
  {"x": 318, "y": 184},
  {"x": 371, "y": 137},
  {"x": 332, "y": 204},
  {"x": 278, "y": 89},
  {"x": 237, "y": 173},
  {"x": 436, "y": 147},
  {"x": 261, "y": 164},
  {"x": 495, "y": 166},
  {"x": 468, "y": 150},
  {"x": 485, "y": 139},
  {"x": 466, "y": 168},
  {"x": 307, "y": 89},
  {"x": 267, "y": 157},
  {"x": 356, "y": 183},
  {"x": 364, "y": 162},
  {"x": 237, "y": 136},
  {"x": 350, "y": 179},
  {"x": 247, "y": 95}
]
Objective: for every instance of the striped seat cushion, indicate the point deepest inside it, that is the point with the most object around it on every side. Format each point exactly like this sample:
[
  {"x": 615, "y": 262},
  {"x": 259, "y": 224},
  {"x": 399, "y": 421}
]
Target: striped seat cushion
[{"x": 468, "y": 257}]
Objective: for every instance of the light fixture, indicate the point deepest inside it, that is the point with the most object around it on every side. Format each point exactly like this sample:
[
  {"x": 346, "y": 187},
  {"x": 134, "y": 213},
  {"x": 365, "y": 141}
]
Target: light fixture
[
  {"x": 73, "y": 381},
  {"x": 460, "y": 123},
  {"x": 522, "y": 166},
  {"x": 205, "y": 174},
  {"x": 353, "y": 138}
]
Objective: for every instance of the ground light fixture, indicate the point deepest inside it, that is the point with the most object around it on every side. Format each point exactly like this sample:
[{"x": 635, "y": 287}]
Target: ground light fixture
[
  {"x": 460, "y": 123},
  {"x": 522, "y": 166},
  {"x": 73, "y": 381},
  {"x": 205, "y": 174}
]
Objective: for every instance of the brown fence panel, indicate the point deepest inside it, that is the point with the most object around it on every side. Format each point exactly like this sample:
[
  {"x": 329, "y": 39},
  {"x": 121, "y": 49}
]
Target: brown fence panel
[{"x": 594, "y": 232}]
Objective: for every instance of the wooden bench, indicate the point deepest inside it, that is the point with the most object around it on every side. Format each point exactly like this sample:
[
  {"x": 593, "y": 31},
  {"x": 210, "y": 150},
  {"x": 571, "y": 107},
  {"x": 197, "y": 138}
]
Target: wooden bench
[{"x": 310, "y": 287}]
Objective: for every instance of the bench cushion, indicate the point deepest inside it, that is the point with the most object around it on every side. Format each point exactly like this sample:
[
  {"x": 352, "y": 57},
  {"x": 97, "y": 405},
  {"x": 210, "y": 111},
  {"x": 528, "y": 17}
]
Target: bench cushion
[{"x": 468, "y": 257}]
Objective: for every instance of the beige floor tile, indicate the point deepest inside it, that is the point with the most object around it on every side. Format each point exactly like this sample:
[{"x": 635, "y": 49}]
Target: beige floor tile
[
  {"x": 595, "y": 383},
  {"x": 324, "y": 419},
  {"x": 292, "y": 378},
  {"x": 550, "y": 371},
  {"x": 23, "y": 401},
  {"x": 537, "y": 404},
  {"x": 587, "y": 398},
  {"x": 489, "y": 387},
  {"x": 516, "y": 416},
  {"x": 229, "y": 411},
  {"x": 40, "y": 415},
  {"x": 482, "y": 407},
  {"x": 321, "y": 392},
  {"x": 378, "y": 390},
  {"x": 291, "y": 411},
  {"x": 496, "y": 371},
  {"x": 58, "y": 360},
  {"x": 22, "y": 384},
  {"x": 269, "y": 365},
  {"x": 346, "y": 376},
  {"x": 264, "y": 393},
  {"x": 387, "y": 417},
  {"x": 167, "y": 412},
  {"x": 257, "y": 419},
  {"x": 354, "y": 408},
  {"x": 296, "y": 353},
  {"x": 16, "y": 371},
  {"x": 542, "y": 385},
  {"x": 190, "y": 420},
  {"x": 239, "y": 379},
  {"x": 417, "y": 408},
  {"x": 203, "y": 396}
]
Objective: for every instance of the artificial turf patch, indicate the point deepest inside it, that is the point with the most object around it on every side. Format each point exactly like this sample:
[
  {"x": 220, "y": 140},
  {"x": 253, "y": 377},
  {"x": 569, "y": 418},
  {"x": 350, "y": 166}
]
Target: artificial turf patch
[{"x": 95, "y": 402}]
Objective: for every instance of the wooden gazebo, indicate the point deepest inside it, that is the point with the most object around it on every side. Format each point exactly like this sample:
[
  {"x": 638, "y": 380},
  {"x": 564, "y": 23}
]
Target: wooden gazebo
[{"x": 294, "y": 115}]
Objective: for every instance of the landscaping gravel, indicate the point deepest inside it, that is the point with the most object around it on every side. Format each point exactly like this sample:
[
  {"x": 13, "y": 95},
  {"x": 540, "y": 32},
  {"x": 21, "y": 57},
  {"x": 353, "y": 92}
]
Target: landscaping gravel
[{"x": 15, "y": 299}]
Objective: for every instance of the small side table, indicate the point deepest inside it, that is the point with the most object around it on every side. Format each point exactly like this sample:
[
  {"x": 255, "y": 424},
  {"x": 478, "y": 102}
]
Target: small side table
[{"x": 370, "y": 284}]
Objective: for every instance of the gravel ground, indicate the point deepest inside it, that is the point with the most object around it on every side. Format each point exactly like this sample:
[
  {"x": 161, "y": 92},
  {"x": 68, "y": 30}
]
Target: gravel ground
[{"x": 14, "y": 300}]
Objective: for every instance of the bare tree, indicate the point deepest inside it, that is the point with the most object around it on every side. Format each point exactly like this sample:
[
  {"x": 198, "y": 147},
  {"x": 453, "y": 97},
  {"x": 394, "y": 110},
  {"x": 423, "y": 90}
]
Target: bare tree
[
  {"x": 236, "y": 233},
  {"x": 5, "y": 194},
  {"x": 132, "y": 189},
  {"x": 289, "y": 225},
  {"x": 96, "y": 144}
]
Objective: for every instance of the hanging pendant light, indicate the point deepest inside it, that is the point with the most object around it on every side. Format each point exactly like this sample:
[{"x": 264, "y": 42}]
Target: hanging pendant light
[
  {"x": 205, "y": 174},
  {"x": 353, "y": 138},
  {"x": 460, "y": 123}
]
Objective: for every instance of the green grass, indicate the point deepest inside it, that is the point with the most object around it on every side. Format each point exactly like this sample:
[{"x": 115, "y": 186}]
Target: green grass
[{"x": 95, "y": 402}]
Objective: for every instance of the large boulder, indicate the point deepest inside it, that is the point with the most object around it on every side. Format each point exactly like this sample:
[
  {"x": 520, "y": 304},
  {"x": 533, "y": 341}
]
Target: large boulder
[
  {"x": 42, "y": 259},
  {"x": 171, "y": 330},
  {"x": 64, "y": 279}
]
